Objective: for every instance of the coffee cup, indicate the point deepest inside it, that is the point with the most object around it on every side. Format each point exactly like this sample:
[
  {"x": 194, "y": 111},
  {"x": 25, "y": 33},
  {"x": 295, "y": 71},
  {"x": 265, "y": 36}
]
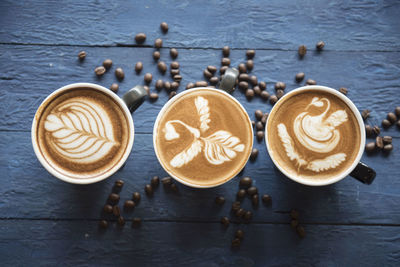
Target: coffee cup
[
  {"x": 83, "y": 133},
  {"x": 203, "y": 136},
  {"x": 315, "y": 136}
]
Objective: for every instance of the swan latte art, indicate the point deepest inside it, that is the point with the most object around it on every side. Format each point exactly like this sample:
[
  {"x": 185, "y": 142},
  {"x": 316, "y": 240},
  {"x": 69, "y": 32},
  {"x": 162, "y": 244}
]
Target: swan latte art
[
  {"x": 203, "y": 137},
  {"x": 313, "y": 134},
  {"x": 82, "y": 133}
]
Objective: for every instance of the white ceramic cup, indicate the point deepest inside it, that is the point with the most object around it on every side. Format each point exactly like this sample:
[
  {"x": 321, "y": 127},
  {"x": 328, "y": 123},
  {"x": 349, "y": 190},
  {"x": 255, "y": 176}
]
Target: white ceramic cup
[
  {"x": 131, "y": 100},
  {"x": 357, "y": 169}
]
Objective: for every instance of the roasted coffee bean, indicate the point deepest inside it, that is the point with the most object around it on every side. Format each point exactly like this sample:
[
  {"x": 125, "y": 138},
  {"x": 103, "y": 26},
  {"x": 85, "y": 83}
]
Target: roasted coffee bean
[
  {"x": 138, "y": 67},
  {"x": 167, "y": 85},
  {"x": 252, "y": 190},
  {"x": 166, "y": 181},
  {"x": 249, "y": 64},
  {"x": 264, "y": 118},
  {"x": 254, "y": 154},
  {"x": 171, "y": 94},
  {"x": 300, "y": 231},
  {"x": 119, "y": 183},
  {"x": 379, "y": 142},
  {"x": 189, "y": 85},
  {"x": 225, "y": 61},
  {"x": 294, "y": 223},
  {"x": 391, "y": 117},
  {"x": 220, "y": 200},
  {"x": 156, "y": 55},
  {"x": 240, "y": 212},
  {"x": 243, "y": 85},
  {"x": 174, "y": 85},
  {"x": 155, "y": 181},
  {"x": 250, "y": 54},
  {"x": 153, "y": 96},
  {"x": 386, "y": 123},
  {"x": 129, "y": 204},
  {"x": 273, "y": 99},
  {"x": 262, "y": 85},
  {"x": 387, "y": 148},
  {"x": 280, "y": 86},
  {"x": 235, "y": 243},
  {"x": 177, "y": 78},
  {"x": 103, "y": 224},
  {"x": 242, "y": 68},
  {"x": 114, "y": 87},
  {"x": 377, "y": 130},
  {"x": 244, "y": 77},
  {"x": 240, "y": 194},
  {"x": 245, "y": 182},
  {"x": 108, "y": 208},
  {"x": 174, "y": 187},
  {"x": 214, "y": 80},
  {"x": 81, "y": 55},
  {"x": 248, "y": 215},
  {"x": 279, "y": 94},
  {"x": 207, "y": 74},
  {"x": 259, "y": 126},
  {"x": 302, "y": 51},
  {"x": 320, "y": 45},
  {"x": 119, "y": 73},
  {"x": 162, "y": 67},
  {"x": 239, "y": 234},
  {"x": 343, "y": 90},
  {"x": 149, "y": 190},
  {"x": 174, "y": 72},
  {"x": 387, "y": 139},
  {"x": 140, "y": 38},
  {"x": 266, "y": 199},
  {"x": 116, "y": 211},
  {"x": 212, "y": 69},
  {"x": 121, "y": 221},
  {"x": 294, "y": 214},
  {"x": 107, "y": 63},
  {"x": 264, "y": 95},
  {"x": 253, "y": 124},
  {"x": 257, "y": 90},
  {"x": 299, "y": 76},
  {"x": 225, "y": 221},
  {"x": 158, "y": 43},
  {"x": 136, "y": 197},
  {"x": 311, "y": 82},
  {"x": 365, "y": 114},
  {"x": 235, "y": 206},
  {"x": 368, "y": 130},
  {"x": 397, "y": 111},
  {"x": 255, "y": 200},
  {"x": 113, "y": 198},
  {"x": 136, "y": 222},
  {"x": 223, "y": 69},
  {"x": 159, "y": 85},
  {"x": 258, "y": 113},
  {"x": 175, "y": 65},
  {"x": 260, "y": 136},
  {"x": 225, "y": 51},
  {"x": 100, "y": 71},
  {"x": 164, "y": 27},
  {"x": 370, "y": 147},
  {"x": 148, "y": 77},
  {"x": 249, "y": 94},
  {"x": 173, "y": 53},
  {"x": 253, "y": 80}
]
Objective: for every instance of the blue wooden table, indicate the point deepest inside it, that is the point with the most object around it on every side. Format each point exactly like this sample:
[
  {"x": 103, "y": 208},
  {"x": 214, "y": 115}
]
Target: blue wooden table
[{"x": 44, "y": 221}]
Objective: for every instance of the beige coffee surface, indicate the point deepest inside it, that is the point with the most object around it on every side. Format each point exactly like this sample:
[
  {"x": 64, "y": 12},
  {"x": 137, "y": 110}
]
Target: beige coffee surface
[
  {"x": 314, "y": 135},
  {"x": 204, "y": 138},
  {"x": 83, "y": 133}
]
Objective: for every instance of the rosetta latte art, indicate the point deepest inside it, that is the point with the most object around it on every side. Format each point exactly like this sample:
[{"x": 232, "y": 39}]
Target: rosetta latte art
[
  {"x": 80, "y": 131},
  {"x": 316, "y": 133},
  {"x": 218, "y": 148}
]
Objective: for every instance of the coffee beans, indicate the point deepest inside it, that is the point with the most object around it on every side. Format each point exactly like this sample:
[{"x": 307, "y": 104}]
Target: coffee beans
[
  {"x": 159, "y": 84},
  {"x": 158, "y": 43},
  {"x": 248, "y": 215},
  {"x": 103, "y": 224},
  {"x": 136, "y": 222},
  {"x": 225, "y": 51},
  {"x": 225, "y": 61},
  {"x": 239, "y": 234},
  {"x": 311, "y": 82},
  {"x": 300, "y": 231},
  {"x": 223, "y": 69},
  {"x": 107, "y": 63},
  {"x": 162, "y": 67},
  {"x": 387, "y": 148},
  {"x": 273, "y": 99},
  {"x": 387, "y": 140},
  {"x": 264, "y": 95},
  {"x": 262, "y": 85},
  {"x": 369, "y": 130},
  {"x": 320, "y": 45},
  {"x": 257, "y": 90},
  {"x": 114, "y": 87},
  {"x": 343, "y": 90},
  {"x": 264, "y": 118},
  {"x": 212, "y": 69},
  {"x": 140, "y": 38},
  {"x": 155, "y": 181},
  {"x": 255, "y": 200},
  {"x": 280, "y": 86},
  {"x": 245, "y": 182},
  {"x": 107, "y": 208},
  {"x": 258, "y": 113},
  {"x": 81, "y": 55},
  {"x": 177, "y": 78},
  {"x": 174, "y": 85},
  {"x": 166, "y": 181},
  {"x": 365, "y": 114},
  {"x": 386, "y": 123},
  {"x": 260, "y": 136},
  {"x": 266, "y": 199},
  {"x": 129, "y": 204},
  {"x": 259, "y": 126},
  {"x": 240, "y": 194},
  {"x": 225, "y": 221},
  {"x": 235, "y": 206},
  {"x": 250, "y": 54},
  {"x": 164, "y": 27},
  {"x": 240, "y": 212},
  {"x": 100, "y": 71},
  {"x": 235, "y": 243},
  {"x": 254, "y": 154},
  {"x": 220, "y": 200},
  {"x": 249, "y": 64},
  {"x": 174, "y": 65},
  {"x": 121, "y": 221},
  {"x": 136, "y": 197},
  {"x": 189, "y": 85},
  {"x": 201, "y": 84},
  {"x": 379, "y": 142},
  {"x": 244, "y": 77},
  {"x": 119, "y": 73},
  {"x": 377, "y": 130},
  {"x": 299, "y": 76},
  {"x": 214, "y": 80},
  {"x": 397, "y": 111},
  {"x": 138, "y": 67},
  {"x": 153, "y": 97},
  {"x": 279, "y": 93},
  {"x": 113, "y": 198},
  {"x": 242, "y": 68},
  {"x": 207, "y": 74},
  {"x": 174, "y": 72},
  {"x": 391, "y": 117},
  {"x": 116, "y": 211},
  {"x": 149, "y": 190},
  {"x": 370, "y": 147},
  {"x": 302, "y": 51},
  {"x": 249, "y": 94},
  {"x": 156, "y": 55},
  {"x": 171, "y": 94},
  {"x": 148, "y": 78},
  {"x": 173, "y": 53},
  {"x": 252, "y": 190}
]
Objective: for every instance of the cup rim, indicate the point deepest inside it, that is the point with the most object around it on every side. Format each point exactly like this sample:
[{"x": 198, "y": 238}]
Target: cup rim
[
  {"x": 157, "y": 121},
  {"x": 58, "y": 174},
  {"x": 360, "y": 122}
]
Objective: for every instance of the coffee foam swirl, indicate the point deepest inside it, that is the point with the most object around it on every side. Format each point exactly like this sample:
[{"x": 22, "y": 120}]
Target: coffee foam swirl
[{"x": 81, "y": 131}]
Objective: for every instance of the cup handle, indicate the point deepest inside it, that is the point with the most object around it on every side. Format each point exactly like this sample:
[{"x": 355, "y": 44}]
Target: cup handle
[
  {"x": 134, "y": 97},
  {"x": 229, "y": 79},
  {"x": 363, "y": 173}
]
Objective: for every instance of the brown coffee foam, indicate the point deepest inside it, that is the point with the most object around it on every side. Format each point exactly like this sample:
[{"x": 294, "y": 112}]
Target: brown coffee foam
[
  {"x": 84, "y": 170},
  {"x": 225, "y": 114},
  {"x": 287, "y": 111}
]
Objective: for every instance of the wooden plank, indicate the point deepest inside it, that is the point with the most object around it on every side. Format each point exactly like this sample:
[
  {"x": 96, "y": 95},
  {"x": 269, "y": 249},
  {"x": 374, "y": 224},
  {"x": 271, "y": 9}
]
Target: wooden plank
[
  {"x": 195, "y": 244},
  {"x": 30, "y": 73},
  {"x": 28, "y": 191},
  {"x": 344, "y": 25}
]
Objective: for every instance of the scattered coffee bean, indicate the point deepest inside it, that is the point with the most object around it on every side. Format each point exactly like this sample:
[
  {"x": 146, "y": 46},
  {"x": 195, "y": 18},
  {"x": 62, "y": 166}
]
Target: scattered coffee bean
[
  {"x": 174, "y": 85},
  {"x": 294, "y": 223},
  {"x": 259, "y": 126},
  {"x": 370, "y": 147},
  {"x": 214, "y": 80},
  {"x": 300, "y": 231},
  {"x": 171, "y": 94},
  {"x": 225, "y": 61},
  {"x": 240, "y": 194},
  {"x": 244, "y": 77},
  {"x": 107, "y": 208},
  {"x": 114, "y": 87},
  {"x": 299, "y": 76},
  {"x": 264, "y": 95},
  {"x": 343, "y": 90},
  {"x": 148, "y": 77},
  {"x": 242, "y": 68},
  {"x": 240, "y": 212},
  {"x": 156, "y": 55},
  {"x": 248, "y": 215},
  {"x": 119, "y": 73},
  {"x": 386, "y": 123},
  {"x": 189, "y": 85},
  {"x": 280, "y": 86},
  {"x": 223, "y": 69},
  {"x": 212, "y": 69},
  {"x": 174, "y": 72},
  {"x": 119, "y": 183},
  {"x": 245, "y": 182},
  {"x": 257, "y": 90},
  {"x": 397, "y": 111},
  {"x": 302, "y": 51},
  {"x": 149, "y": 190},
  {"x": 140, "y": 38},
  {"x": 239, "y": 234},
  {"x": 158, "y": 43},
  {"x": 235, "y": 206},
  {"x": 249, "y": 94},
  {"x": 136, "y": 222},
  {"x": 264, "y": 118},
  {"x": 379, "y": 142},
  {"x": 116, "y": 211},
  {"x": 177, "y": 78},
  {"x": 320, "y": 45},
  {"x": 100, "y": 71},
  {"x": 262, "y": 85},
  {"x": 225, "y": 221},
  {"x": 164, "y": 27},
  {"x": 136, "y": 197},
  {"x": 107, "y": 63},
  {"x": 365, "y": 114},
  {"x": 159, "y": 85},
  {"x": 260, "y": 136},
  {"x": 266, "y": 199},
  {"x": 174, "y": 187},
  {"x": 162, "y": 67},
  {"x": 273, "y": 99},
  {"x": 129, "y": 204},
  {"x": 387, "y": 139},
  {"x": 113, "y": 198},
  {"x": 207, "y": 74},
  {"x": 294, "y": 214},
  {"x": 250, "y": 54},
  {"x": 175, "y": 65},
  {"x": 311, "y": 82},
  {"x": 255, "y": 200},
  {"x": 81, "y": 55},
  {"x": 254, "y": 154},
  {"x": 391, "y": 117},
  {"x": 235, "y": 243},
  {"x": 103, "y": 224},
  {"x": 253, "y": 124},
  {"x": 155, "y": 181},
  {"x": 173, "y": 53},
  {"x": 253, "y": 80},
  {"x": 252, "y": 190},
  {"x": 258, "y": 113},
  {"x": 220, "y": 200},
  {"x": 121, "y": 221},
  {"x": 243, "y": 85},
  {"x": 377, "y": 130},
  {"x": 226, "y": 51},
  {"x": 166, "y": 181},
  {"x": 368, "y": 130},
  {"x": 167, "y": 85},
  {"x": 279, "y": 94},
  {"x": 153, "y": 96},
  {"x": 249, "y": 64},
  {"x": 138, "y": 67},
  {"x": 387, "y": 148}
]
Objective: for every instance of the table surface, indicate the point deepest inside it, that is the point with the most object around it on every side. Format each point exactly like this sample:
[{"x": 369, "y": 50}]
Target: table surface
[{"x": 45, "y": 221}]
